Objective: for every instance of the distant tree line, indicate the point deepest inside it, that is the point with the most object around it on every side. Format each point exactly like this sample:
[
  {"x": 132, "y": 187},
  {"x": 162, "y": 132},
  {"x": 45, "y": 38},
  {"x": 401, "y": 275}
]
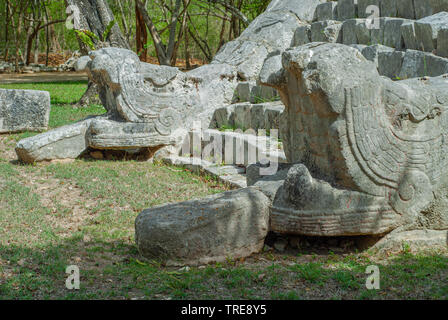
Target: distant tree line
[{"x": 165, "y": 29}]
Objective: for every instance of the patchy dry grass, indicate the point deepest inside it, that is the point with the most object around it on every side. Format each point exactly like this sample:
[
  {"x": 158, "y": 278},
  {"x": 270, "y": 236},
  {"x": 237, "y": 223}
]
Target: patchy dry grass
[{"x": 82, "y": 213}]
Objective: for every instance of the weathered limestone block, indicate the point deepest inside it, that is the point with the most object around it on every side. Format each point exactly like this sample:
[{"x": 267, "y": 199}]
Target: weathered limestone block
[
  {"x": 24, "y": 110},
  {"x": 427, "y": 29},
  {"x": 414, "y": 240},
  {"x": 420, "y": 64},
  {"x": 372, "y": 151},
  {"x": 326, "y": 31},
  {"x": 405, "y": 9},
  {"x": 425, "y": 8},
  {"x": 363, "y": 6},
  {"x": 347, "y": 9},
  {"x": 390, "y": 63},
  {"x": 233, "y": 224},
  {"x": 302, "y": 35},
  {"x": 67, "y": 142},
  {"x": 371, "y": 53},
  {"x": 108, "y": 134},
  {"x": 389, "y": 8},
  {"x": 327, "y": 11},
  {"x": 408, "y": 34},
  {"x": 442, "y": 43},
  {"x": 248, "y": 116},
  {"x": 392, "y": 32}
]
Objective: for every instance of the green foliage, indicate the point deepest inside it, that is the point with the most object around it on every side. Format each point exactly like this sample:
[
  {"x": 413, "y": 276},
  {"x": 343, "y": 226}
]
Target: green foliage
[
  {"x": 108, "y": 30},
  {"x": 86, "y": 38}
]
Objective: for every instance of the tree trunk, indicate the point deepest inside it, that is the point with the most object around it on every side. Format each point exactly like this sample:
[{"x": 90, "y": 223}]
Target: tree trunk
[
  {"x": 141, "y": 35},
  {"x": 95, "y": 16}
]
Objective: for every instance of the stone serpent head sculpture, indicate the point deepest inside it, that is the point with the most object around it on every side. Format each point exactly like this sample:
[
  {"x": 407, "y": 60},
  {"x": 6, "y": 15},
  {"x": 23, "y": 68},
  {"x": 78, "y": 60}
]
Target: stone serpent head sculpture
[{"x": 372, "y": 151}]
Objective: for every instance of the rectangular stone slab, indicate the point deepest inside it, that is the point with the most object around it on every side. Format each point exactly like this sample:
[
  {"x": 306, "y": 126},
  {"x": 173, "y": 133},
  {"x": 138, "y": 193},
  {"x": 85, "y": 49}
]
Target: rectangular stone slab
[
  {"x": 24, "y": 110},
  {"x": 420, "y": 64},
  {"x": 67, "y": 142},
  {"x": 427, "y": 29}
]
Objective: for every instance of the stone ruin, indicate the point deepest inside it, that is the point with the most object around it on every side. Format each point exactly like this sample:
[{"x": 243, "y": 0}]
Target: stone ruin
[
  {"x": 24, "y": 110},
  {"x": 363, "y": 127}
]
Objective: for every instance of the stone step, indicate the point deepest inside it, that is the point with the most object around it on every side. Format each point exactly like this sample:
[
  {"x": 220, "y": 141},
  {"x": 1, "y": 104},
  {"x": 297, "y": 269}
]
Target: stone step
[
  {"x": 407, "y": 9},
  {"x": 407, "y": 64},
  {"x": 230, "y": 175},
  {"x": 232, "y": 147},
  {"x": 248, "y": 116},
  {"x": 428, "y": 34}
]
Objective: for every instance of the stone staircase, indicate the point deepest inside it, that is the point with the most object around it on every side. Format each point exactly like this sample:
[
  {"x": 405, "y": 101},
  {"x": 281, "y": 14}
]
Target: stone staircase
[{"x": 409, "y": 40}]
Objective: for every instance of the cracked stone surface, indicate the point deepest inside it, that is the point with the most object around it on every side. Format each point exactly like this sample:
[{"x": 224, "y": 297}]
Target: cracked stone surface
[{"x": 24, "y": 110}]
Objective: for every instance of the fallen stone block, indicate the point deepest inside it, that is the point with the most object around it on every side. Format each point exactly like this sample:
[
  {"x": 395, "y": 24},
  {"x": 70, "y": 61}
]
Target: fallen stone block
[
  {"x": 347, "y": 9},
  {"x": 67, "y": 142},
  {"x": 24, "y": 110},
  {"x": 427, "y": 29},
  {"x": 327, "y": 11},
  {"x": 231, "y": 225},
  {"x": 413, "y": 240},
  {"x": 326, "y": 31}
]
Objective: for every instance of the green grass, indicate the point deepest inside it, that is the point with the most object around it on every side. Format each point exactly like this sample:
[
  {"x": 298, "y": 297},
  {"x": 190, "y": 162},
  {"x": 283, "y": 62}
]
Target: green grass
[
  {"x": 82, "y": 213},
  {"x": 61, "y": 93}
]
